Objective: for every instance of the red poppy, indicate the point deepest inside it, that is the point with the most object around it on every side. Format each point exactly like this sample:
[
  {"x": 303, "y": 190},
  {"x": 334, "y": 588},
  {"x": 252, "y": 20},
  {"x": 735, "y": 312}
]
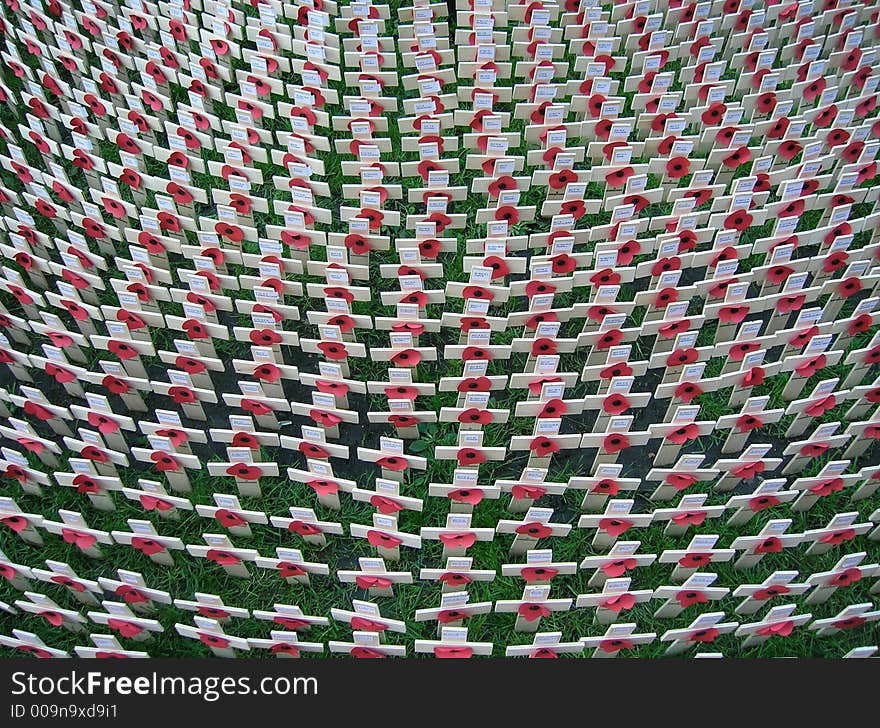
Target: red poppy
[
  {"x": 543, "y": 446},
  {"x": 598, "y": 313},
  {"x": 845, "y": 578},
  {"x": 606, "y": 486},
  {"x": 357, "y": 244},
  {"x": 770, "y": 545},
  {"x": 738, "y": 220},
  {"x": 787, "y": 304},
  {"x": 681, "y": 435},
  {"x": 827, "y": 487},
  {"x": 810, "y": 367},
  {"x": 243, "y": 471},
  {"x": 691, "y": 518},
  {"x": 469, "y": 323},
  {"x": 385, "y": 505},
  {"x": 714, "y": 114},
  {"x": 150, "y": 503},
  {"x": 738, "y": 352},
  {"x": 396, "y": 463},
  {"x": 563, "y": 263},
  {"x": 507, "y": 212},
  {"x": 323, "y": 487},
  {"x": 458, "y": 540},
  {"x": 446, "y": 652},
  {"x": 303, "y": 529},
  {"x": 749, "y": 470},
  {"x": 229, "y": 519},
  {"x": 733, "y": 314},
  {"x": 609, "y": 339},
  {"x": 838, "y": 537},
  {"x": 853, "y": 152},
  {"x": 403, "y": 420},
  {"x": 694, "y": 561},
  {"x": 163, "y": 462},
  {"x": 190, "y": 365},
  {"x": 311, "y": 450},
  {"x": 287, "y": 570},
  {"x": 849, "y": 622},
  {"x": 615, "y": 404},
  {"x": 527, "y": 492},
  {"x": 334, "y": 351},
  {"x": 542, "y": 345},
  {"x": 182, "y": 395},
  {"x": 860, "y": 324},
  {"x": 81, "y": 160},
  {"x": 687, "y": 598},
  {"x": 78, "y": 538},
  {"x": 619, "y": 177},
  {"x": 559, "y": 180},
  {"x": 121, "y": 349},
  {"x": 452, "y": 615},
  {"x": 677, "y": 167},
  {"x": 610, "y": 646},
  {"x": 615, "y": 527},
  {"x": 61, "y": 375},
  {"x": 16, "y": 473},
  {"x": 817, "y": 409},
  {"x": 131, "y": 595},
  {"x": 627, "y": 252},
  {"x": 371, "y": 582},
  {"x": 769, "y": 592},
  {"x": 476, "y": 353},
  {"x": 17, "y": 524},
  {"x": 224, "y": 558},
  {"x": 419, "y": 298},
  {"x": 534, "y": 530},
  {"x": 687, "y": 392},
  {"x": 406, "y": 358},
  {"x": 681, "y": 357},
  {"x": 766, "y": 102},
  {"x": 147, "y": 546},
  {"x": 575, "y": 208},
  {"x": 794, "y": 208},
  {"x": 619, "y": 567},
  {"x": 534, "y": 574},
  {"x": 619, "y": 603},
  {"x": 46, "y": 209},
  {"x": 212, "y": 640},
  {"x": 35, "y": 410},
  {"x": 664, "y": 265},
  {"x": 383, "y": 540},
  {"x": 501, "y": 184},
  {"x": 124, "y": 628},
  {"x": 366, "y": 653},
  {"x": 783, "y": 629},
  {"x": 814, "y": 450},
  {"x": 747, "y": 423},
  {"x": 837, "y": 137},
  {"x": 704, "y": 635},
  {"x": 453, "y": 579},
  {"x": 615, "y": 442},
  {"x": 68, "y": 582},
  {"x": 849, "y": 287},
  {"x": 367, "y": 625},
  {"x": 471, "y": 496}
]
